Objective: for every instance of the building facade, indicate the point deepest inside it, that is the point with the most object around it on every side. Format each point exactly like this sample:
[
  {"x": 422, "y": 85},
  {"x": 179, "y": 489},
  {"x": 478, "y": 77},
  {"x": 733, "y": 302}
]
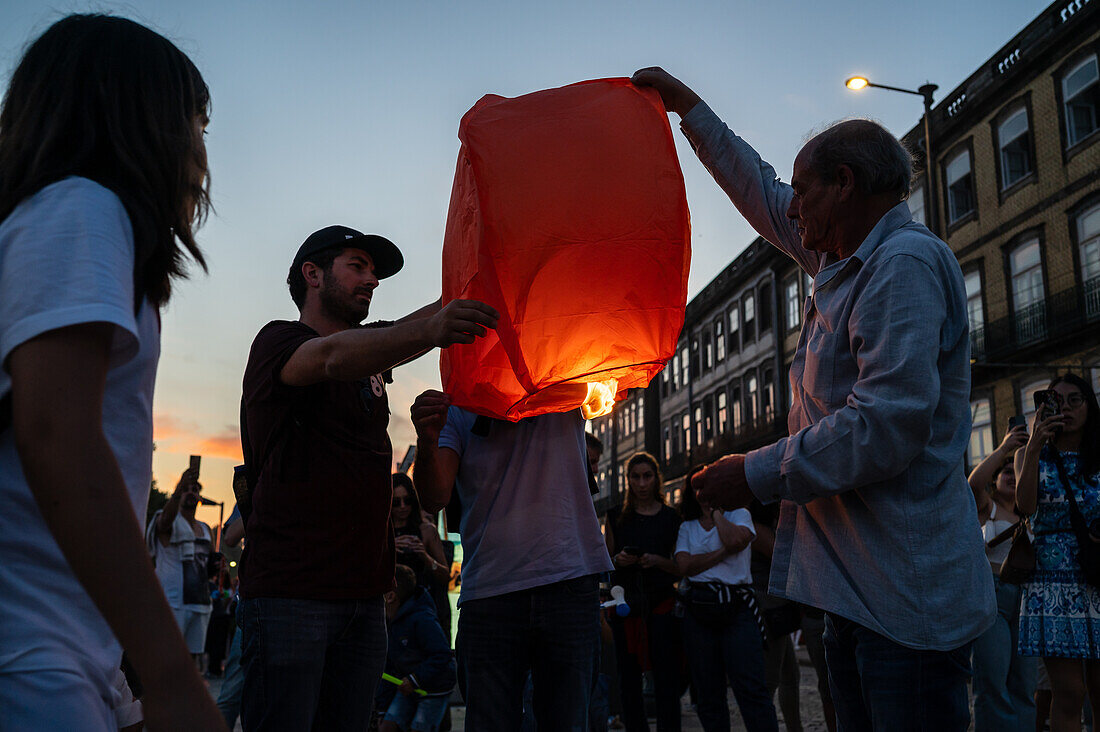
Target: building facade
[
  {"x": 1017, "y": 160},
  {"x": 1017, "y": 165}
]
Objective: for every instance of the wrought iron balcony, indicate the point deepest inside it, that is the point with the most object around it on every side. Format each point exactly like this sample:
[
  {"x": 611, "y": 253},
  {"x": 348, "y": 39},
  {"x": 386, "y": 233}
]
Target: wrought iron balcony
[{"x": 1062, "y": 315}]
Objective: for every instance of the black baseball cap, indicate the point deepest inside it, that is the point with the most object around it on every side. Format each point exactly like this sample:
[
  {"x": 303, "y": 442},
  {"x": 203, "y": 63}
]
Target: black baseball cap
[{"x": 387, "y": 257}]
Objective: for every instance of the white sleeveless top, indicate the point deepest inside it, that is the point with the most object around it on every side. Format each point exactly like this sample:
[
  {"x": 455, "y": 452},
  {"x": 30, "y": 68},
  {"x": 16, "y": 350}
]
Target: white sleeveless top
[{"x": 990, "y": 530}]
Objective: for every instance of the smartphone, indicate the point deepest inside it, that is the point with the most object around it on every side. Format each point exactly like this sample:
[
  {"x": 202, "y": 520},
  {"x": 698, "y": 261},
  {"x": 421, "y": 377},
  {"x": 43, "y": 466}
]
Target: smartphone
[
  {"x": 195, "y": 461},
  {"x": 1047, "y": 402},
  {"x": 1017, "y": 421}
]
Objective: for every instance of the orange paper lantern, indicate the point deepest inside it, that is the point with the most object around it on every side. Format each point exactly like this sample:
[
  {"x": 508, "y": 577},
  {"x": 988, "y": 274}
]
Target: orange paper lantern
[{"x": 568, "y": 215}]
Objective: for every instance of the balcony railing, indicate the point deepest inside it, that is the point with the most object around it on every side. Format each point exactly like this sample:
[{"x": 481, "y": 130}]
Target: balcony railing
[
  {"x": 1092, "y": 297},
  {"x": 1062, "y": 315}
]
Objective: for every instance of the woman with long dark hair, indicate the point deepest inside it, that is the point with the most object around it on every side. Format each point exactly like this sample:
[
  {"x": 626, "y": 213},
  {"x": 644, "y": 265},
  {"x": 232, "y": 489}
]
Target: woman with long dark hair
[
  {"x": 723, "y": 634},
  {"x": 640, "y": 539},
  {"x": 1060, "y": 611},
  {"x": 103, "y": 177},
  {"x": 417, "y": 539}
]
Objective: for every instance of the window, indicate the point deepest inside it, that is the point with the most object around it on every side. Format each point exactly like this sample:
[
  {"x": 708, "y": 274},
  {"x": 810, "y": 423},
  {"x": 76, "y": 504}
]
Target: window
[
  {"x": 695, "y": 361},
  {"x": 684, "y": 362},
  {"x": 960, "y": 189},
  {"x": 792, "y": 303},
  {"x": 667, "y": 442},
  {"x": 1080, "y": 99},
  {"x": 1028, "y": 304},
  {"x": 674, "y": 432},
  {"x": 975, "y": 311},
  {"x": 1027, "y": 398},
  {"x": 735, "y": 329},
  {"x": 916, "y": 205},
  {"x": 719, "y": 340},
  {"x": 723, "y": 413},
  {"x": 981, "y": 431},
  {"x": 676, "y": 372},
  {"x": 708, "y": 418},
  {"x": 666, "y": 377},
  {"x": 764, "y": 321},
  {"x": 641, "y": 410},
  {"x": 751, "y": 398},
  {"x": 708, "y": 351},
  {"x": 1015, "y": 154},
  {"x": 748, "y": 308},
  {"x": 698, "y": 426},
  {"x": 767, "y": 396},
  {"x": 1088, "y": 247},
  {"x": 685, "y": 430},
  {"x": 735, "y": 404}
]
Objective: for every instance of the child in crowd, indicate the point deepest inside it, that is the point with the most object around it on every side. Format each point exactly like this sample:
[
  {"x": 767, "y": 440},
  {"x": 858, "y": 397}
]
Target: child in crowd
[{"x": 419, "y": 655}]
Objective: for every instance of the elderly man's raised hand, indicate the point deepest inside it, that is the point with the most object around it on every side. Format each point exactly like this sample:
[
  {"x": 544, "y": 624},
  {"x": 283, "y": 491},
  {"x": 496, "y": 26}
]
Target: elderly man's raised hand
[
  {"x": 461, "y": 321},
  {"x": 429, "y": 414},
  {"x": 675, "y": 94},
  {"x": 722, "y": 484}
]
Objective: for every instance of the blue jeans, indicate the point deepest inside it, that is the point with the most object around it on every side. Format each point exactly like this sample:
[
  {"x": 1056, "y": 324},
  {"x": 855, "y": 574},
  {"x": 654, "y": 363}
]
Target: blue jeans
[
  {"x": 878, "y": 684},
  {"x": 229, "y": 698},
  {"x": 1004, "y": 682},
  {"x": 553, "y": 631},
  {"x": 310, "y": 664},
  {"x": 416, "y": 713},
  {"x": 733, "y": 650}
]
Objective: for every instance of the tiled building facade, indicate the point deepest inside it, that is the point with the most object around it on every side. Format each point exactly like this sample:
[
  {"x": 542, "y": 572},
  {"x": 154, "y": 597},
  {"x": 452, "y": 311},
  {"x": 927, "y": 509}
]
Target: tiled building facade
[{"x": 1017, "y": 160}]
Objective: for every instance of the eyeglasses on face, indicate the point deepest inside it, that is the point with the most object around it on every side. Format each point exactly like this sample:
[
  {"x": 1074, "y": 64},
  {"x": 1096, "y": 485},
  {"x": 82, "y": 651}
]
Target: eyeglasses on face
[{"x": 1074, "y": 399}]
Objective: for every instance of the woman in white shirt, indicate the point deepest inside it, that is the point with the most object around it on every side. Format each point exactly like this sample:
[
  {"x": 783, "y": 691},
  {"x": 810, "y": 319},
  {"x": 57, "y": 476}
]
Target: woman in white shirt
[
  {"x": 103, "y": 175},
  {"x": 723, "y": 636},
  {"x": 1004, "y": 681}
]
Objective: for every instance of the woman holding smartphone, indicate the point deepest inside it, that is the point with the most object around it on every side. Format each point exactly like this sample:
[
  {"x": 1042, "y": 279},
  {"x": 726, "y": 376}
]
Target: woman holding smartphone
[
  {"x": 1004, "y": 681},
  {"x": 1060, "y": 612},
  {"x": 640, "y": 538},
  {"x": 103, "y": 177}
]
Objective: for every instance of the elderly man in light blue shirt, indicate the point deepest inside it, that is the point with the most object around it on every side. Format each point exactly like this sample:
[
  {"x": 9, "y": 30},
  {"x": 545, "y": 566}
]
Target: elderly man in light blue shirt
[{"x": 877, "y": 525}]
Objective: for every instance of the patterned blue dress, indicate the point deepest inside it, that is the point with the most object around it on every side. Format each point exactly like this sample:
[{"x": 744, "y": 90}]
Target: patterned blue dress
[{"x": 1059, "y": 613}]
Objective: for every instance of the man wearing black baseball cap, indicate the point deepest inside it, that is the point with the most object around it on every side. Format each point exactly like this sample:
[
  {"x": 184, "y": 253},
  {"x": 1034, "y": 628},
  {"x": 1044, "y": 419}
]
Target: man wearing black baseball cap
[{"x": 313, "y": 426}]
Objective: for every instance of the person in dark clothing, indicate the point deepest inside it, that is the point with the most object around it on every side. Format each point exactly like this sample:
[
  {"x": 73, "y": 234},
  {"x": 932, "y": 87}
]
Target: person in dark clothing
[
  {"x": 320, "y": 552},
  {"x": 641, "y": 537},
  {"x": 419, "y": 656}
]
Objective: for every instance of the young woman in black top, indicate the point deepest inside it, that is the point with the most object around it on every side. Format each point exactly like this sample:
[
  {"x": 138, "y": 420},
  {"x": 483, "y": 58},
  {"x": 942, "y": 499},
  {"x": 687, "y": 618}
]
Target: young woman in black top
[{"x": 641, "y": 537}]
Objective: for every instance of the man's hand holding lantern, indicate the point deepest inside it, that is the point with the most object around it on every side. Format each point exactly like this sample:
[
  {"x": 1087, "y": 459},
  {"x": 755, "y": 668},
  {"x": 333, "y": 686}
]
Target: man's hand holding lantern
[
  {"x": 723, "y": 484},
  {"x": 429, "y": 414}
]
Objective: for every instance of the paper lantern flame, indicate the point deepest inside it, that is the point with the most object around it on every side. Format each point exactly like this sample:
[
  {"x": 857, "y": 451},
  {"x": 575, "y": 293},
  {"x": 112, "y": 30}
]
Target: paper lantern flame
[
  {"x": 600, "y": 398},
  {"x": 568, "y": 215}
]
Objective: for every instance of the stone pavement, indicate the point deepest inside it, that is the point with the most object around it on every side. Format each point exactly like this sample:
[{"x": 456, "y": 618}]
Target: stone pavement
[{"x": 810, "y": 705}]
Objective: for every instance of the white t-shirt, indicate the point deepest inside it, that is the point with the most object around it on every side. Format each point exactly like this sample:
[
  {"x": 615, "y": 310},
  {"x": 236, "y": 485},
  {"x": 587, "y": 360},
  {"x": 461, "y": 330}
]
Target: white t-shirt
[
  {"x": 734, "y": 569},
  {"x": 181, "y": 566},
  {"x": 67, "y": 257},
  {"x": 527, "y": 513}
]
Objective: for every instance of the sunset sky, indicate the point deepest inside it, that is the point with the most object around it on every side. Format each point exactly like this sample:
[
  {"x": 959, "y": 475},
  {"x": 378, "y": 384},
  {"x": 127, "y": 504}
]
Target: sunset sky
[{"x": 347, "y": 112}]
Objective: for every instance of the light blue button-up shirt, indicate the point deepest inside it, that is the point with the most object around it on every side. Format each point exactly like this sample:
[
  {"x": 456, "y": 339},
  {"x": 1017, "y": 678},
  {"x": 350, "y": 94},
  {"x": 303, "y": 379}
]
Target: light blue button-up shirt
[{"x": 877, "y": 523}]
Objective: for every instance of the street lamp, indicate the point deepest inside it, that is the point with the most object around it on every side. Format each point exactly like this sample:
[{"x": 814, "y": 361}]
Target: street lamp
[{"x": 855, "y": 83}]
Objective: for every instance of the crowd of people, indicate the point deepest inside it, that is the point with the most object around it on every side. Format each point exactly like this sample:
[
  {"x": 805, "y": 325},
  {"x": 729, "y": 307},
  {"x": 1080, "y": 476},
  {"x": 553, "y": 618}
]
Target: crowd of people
[{"x": 873, "y": 542}]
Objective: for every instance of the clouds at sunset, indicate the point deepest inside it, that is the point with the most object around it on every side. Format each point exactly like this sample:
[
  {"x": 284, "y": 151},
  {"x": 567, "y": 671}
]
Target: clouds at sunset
[{"x": 174, "y": 434}]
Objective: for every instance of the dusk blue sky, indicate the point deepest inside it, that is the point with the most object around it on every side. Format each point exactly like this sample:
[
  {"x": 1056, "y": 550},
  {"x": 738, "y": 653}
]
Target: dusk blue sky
[{"x": 347, "y": 112}]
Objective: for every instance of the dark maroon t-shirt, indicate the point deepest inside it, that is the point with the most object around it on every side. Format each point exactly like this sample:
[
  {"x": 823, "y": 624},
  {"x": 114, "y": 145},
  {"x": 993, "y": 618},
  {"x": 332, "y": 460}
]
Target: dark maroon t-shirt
[{"x": 319, "y": 527}]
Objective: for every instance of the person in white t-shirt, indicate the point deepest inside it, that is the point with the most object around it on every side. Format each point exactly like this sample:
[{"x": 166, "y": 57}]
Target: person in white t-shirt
[
  {"x": 723, "y": 633},
  {"x": 102, "y": 179},
  {"x": 181, "y": 545}
]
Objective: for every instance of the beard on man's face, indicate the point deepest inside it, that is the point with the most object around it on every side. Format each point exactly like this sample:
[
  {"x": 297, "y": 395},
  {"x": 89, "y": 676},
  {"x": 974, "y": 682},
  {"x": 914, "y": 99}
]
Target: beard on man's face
[{"x": 341, "y": 305}]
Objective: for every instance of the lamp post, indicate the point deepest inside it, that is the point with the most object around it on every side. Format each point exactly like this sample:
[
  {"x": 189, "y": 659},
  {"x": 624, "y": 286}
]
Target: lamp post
[
  {"x": 221, "y": 518},
  {"x": 856, "y": 83}
]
